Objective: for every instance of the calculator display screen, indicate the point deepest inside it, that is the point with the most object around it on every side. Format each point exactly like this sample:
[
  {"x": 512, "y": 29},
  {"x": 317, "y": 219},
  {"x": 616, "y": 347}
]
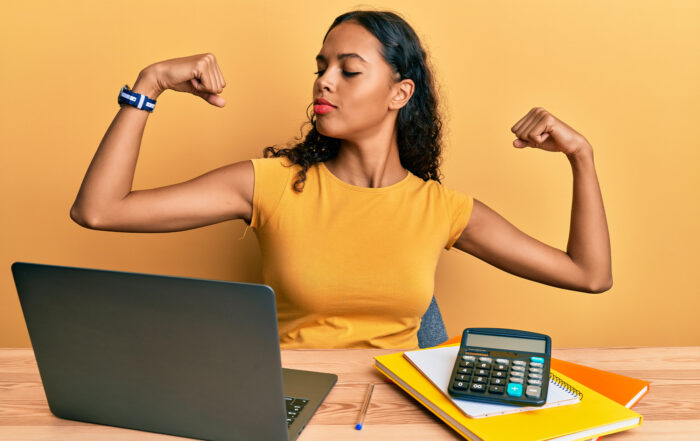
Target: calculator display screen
[{"x": 512, "y": 343}]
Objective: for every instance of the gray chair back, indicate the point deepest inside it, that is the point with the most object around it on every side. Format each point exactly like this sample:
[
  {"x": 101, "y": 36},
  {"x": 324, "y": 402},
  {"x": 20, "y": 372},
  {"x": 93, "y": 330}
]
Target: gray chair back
[{"x": 432, "y": 330}]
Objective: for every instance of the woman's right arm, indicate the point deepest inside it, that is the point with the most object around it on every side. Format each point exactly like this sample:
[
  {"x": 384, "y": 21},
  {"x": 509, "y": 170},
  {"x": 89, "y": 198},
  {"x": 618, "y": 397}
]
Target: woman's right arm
[{"x": 106, "y": 201}]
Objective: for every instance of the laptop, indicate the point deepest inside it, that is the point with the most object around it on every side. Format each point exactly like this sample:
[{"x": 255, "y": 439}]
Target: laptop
[{"x": 181, "y": 356}]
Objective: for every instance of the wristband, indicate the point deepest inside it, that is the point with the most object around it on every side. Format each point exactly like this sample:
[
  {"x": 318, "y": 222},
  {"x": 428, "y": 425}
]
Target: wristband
[{"x": 138, "y": 100}]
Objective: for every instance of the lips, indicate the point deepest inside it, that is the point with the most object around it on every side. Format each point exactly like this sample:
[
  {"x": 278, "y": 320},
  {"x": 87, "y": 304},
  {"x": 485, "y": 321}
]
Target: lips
[
  {"x": 322, "y": 106},
  {"x": 323, "y": 102},
  {"x": 320, "y": 109}
]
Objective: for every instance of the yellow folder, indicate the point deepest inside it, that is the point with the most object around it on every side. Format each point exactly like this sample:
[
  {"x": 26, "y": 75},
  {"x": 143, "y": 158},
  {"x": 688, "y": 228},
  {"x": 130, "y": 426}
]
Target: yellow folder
[{"x": 593, "y": 416}]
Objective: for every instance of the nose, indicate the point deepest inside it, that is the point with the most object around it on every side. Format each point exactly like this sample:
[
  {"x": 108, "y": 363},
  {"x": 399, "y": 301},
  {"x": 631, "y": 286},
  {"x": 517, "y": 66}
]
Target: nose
[{"x": 325, "y": 82}]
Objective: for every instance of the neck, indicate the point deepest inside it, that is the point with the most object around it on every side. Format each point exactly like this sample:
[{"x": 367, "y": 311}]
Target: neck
[{"x": 371, "y": 162}]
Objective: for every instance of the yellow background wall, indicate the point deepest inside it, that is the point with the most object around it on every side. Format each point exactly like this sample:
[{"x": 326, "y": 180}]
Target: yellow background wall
[{"x": 624, "y": 74}]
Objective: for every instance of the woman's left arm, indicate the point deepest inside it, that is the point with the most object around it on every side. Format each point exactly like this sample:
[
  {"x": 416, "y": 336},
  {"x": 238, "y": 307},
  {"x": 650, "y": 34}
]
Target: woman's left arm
[{"x": 586, "y": 265}]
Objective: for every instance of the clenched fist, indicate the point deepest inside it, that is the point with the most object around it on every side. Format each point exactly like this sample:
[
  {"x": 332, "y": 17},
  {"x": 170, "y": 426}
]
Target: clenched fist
[
  {"x": 197, "y": 74},
  {"x": 541, "y": 129}
]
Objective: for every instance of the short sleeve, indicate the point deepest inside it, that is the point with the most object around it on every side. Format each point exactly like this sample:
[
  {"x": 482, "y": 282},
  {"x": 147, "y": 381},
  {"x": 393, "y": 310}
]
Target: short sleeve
[
  {"x": 459, "y": 208},
  {"x": 271, "y": 178}
]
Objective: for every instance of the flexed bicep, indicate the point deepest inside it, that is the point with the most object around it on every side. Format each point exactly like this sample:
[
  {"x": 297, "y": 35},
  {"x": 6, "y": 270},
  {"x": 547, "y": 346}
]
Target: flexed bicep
[{"x": 491, "y": 238}]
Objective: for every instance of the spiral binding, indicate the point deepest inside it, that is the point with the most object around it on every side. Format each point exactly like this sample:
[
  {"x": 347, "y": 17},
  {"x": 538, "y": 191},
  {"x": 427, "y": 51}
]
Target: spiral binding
[{"x": 566, "y": 386}]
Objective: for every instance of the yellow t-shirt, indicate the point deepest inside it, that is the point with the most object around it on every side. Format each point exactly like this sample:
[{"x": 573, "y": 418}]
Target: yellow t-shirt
[{"x": 351, "y": 267}]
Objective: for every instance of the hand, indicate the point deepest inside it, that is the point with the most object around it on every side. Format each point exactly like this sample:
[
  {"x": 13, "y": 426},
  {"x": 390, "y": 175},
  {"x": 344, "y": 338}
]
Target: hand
[
  {"x": 543, "y": 130},
  {"x": 197, "y": 74}
]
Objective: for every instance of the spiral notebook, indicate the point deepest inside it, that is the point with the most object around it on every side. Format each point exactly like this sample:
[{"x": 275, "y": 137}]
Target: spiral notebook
[{"x": 436, "y": 365}]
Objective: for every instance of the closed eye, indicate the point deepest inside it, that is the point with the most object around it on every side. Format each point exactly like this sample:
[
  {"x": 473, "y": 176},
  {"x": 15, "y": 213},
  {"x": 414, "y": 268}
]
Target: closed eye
[{"x": 346, "y": 73}]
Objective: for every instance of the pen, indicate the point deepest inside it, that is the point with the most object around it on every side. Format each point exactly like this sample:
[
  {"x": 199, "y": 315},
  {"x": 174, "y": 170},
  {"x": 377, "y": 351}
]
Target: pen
[{"x": 363, "y": 412}]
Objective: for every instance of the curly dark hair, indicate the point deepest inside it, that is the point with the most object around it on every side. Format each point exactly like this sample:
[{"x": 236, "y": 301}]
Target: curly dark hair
[{"x": 419, "y": 125}]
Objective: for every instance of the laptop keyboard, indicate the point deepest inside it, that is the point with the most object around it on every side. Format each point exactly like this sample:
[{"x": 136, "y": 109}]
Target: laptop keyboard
[{"x": 294, "y": 406}]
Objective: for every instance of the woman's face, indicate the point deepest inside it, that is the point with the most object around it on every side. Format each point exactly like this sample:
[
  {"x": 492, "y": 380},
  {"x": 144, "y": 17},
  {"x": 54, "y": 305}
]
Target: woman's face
[{"x": 356, "y": 80}]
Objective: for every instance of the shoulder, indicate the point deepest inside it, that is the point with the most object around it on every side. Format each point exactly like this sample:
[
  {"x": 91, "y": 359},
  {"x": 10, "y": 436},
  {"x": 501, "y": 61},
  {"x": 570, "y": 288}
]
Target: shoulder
[
  {"x": 437, "y": 194},
  {"x": 273, "y": 168},
  {"x": 439, "y": 189},
  {"x": 271, "y": 182}
]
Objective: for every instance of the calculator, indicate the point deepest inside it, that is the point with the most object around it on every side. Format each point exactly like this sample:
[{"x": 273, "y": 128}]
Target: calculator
[{"x": 502, "y": 366}]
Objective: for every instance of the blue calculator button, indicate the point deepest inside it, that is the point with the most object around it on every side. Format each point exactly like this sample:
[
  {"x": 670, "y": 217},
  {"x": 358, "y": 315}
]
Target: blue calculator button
[
  {"x": 537, "y": 359},
  {"x": 515, "y": 390}
]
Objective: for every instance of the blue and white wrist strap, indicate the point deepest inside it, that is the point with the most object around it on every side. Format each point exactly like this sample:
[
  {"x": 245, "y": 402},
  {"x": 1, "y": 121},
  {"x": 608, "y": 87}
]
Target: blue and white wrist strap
[{"x": 137, "y": 100}]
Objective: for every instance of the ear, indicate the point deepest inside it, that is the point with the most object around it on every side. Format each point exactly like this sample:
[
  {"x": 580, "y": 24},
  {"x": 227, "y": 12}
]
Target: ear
[{"x": 401, "y": 93}]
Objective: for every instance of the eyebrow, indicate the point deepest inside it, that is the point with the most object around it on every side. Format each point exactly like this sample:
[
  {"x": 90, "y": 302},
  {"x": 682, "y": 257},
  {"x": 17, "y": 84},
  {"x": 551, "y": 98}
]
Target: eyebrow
[{"x": 320, "y": 57}]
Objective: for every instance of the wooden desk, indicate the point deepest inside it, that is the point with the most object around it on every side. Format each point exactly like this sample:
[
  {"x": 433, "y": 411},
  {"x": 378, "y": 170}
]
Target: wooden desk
[{"x": 671, "y": 409}]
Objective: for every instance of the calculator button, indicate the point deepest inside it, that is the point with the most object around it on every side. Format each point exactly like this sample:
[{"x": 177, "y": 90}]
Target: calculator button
[
  {"x": 533, "y": 391},
  {"x": 518, "y": 368},
  {"x": 483, "y": 365},
  {"x": 534, "y": 382},
  {"x": 539, "y": 365},
  {"x": 481, "y": 372},
  {"x": 498, "y": 381},
  {"x": 516, "y": 380},
  {"x": 478, "y": 387},
  {"x": 462, "y": 377},
  {"x": 485, "y": 359},
  {"x": 465, "y": 371},
  {"x": 502, "y": 361},
  {"x": 460, "y": 385},
  {"x": 466, "y": 363},
  {"x": 515, "y": 390},
  {"x": 498, "y": 374},
  {"x": 479, "y": 380},
  {"x": 468, "y": 358},
  {"x": 537, "y": 359},
  {"x": 535, "y": 376},
  {"x": 496, "y": 389},
  {"x": 500, "y": 367},
  {"x": 519, "y": 363},
  {"x": 535, "y": 370},
  {"x": 517, "y": 374}
]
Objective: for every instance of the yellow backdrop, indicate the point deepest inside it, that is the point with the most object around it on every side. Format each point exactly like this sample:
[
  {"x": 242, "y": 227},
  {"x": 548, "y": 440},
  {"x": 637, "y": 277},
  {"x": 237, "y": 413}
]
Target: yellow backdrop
[{"x": 624, "y": 74}]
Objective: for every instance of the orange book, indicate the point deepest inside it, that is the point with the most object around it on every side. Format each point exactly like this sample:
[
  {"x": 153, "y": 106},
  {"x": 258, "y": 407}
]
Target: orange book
[
  {"x": 619, "y": 388},
  {"x": 625, "y": 390}
]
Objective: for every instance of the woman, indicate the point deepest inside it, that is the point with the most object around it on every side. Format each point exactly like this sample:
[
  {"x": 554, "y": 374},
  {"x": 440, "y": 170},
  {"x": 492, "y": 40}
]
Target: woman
[{"x": 351, "y": 221}]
